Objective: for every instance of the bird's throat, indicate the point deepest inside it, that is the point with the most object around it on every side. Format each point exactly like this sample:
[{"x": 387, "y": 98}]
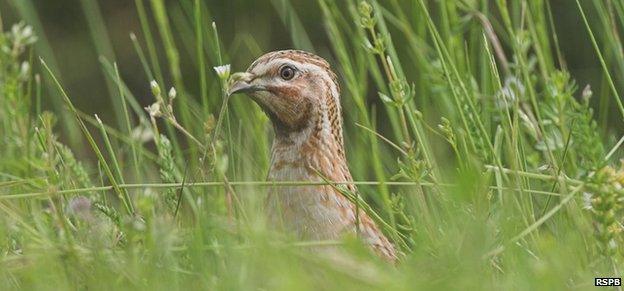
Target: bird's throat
[{"x": 312, "y": 154}]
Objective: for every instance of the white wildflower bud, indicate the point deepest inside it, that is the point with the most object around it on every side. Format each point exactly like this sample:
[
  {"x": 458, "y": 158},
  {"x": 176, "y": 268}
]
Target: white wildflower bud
[
  {"x": 154, "y": 110},
  {"x": 24, "y": 70},
  {"x": 587, "y": 93},
  {"x": 155, "y": 88},
  {"x": 27, "y": 32},
  {"x": 172, "y": 94},
  {"x": 223, "y": 71}
]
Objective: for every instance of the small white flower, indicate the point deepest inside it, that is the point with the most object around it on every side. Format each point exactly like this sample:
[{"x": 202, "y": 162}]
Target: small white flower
[
  {"x": 172, "y": 93},
  {"x": 27, "y": 31},
  {"x": 22, "y": 35},
  {"x": 24, "y": 70},
  {"x": 587, "y": 93},
  {"x": 223, "y": 71},
  {"x": 154, "y": 110},
  {"x": 155, "y": 88}
]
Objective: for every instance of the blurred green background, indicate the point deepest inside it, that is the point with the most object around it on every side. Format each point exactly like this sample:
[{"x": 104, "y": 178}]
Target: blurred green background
[
  {"x": 66, "y": 28},
  {"x": 247, "y": 29}
]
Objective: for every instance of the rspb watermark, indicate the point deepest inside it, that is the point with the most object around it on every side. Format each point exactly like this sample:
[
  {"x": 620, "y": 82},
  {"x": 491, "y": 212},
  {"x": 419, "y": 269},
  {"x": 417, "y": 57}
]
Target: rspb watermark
[{"x": 607, "y": 282}]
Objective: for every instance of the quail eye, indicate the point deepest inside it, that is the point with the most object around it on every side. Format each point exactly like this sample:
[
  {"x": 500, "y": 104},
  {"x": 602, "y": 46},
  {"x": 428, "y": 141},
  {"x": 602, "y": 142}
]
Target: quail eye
[{"x": 287, "y": 73}]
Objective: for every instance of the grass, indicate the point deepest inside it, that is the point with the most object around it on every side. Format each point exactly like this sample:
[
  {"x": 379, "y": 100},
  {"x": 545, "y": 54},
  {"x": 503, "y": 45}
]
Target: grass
[{"x": 468, "y": 137}]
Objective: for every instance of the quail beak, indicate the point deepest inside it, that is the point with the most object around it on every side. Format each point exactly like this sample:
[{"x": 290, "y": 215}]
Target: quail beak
[{"x": 242, "y": 83}]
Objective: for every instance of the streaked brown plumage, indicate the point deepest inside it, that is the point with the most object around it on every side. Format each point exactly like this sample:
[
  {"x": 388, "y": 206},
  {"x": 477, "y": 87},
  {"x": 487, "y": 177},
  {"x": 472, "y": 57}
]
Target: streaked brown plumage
[{"x": 300, "y": 94}]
